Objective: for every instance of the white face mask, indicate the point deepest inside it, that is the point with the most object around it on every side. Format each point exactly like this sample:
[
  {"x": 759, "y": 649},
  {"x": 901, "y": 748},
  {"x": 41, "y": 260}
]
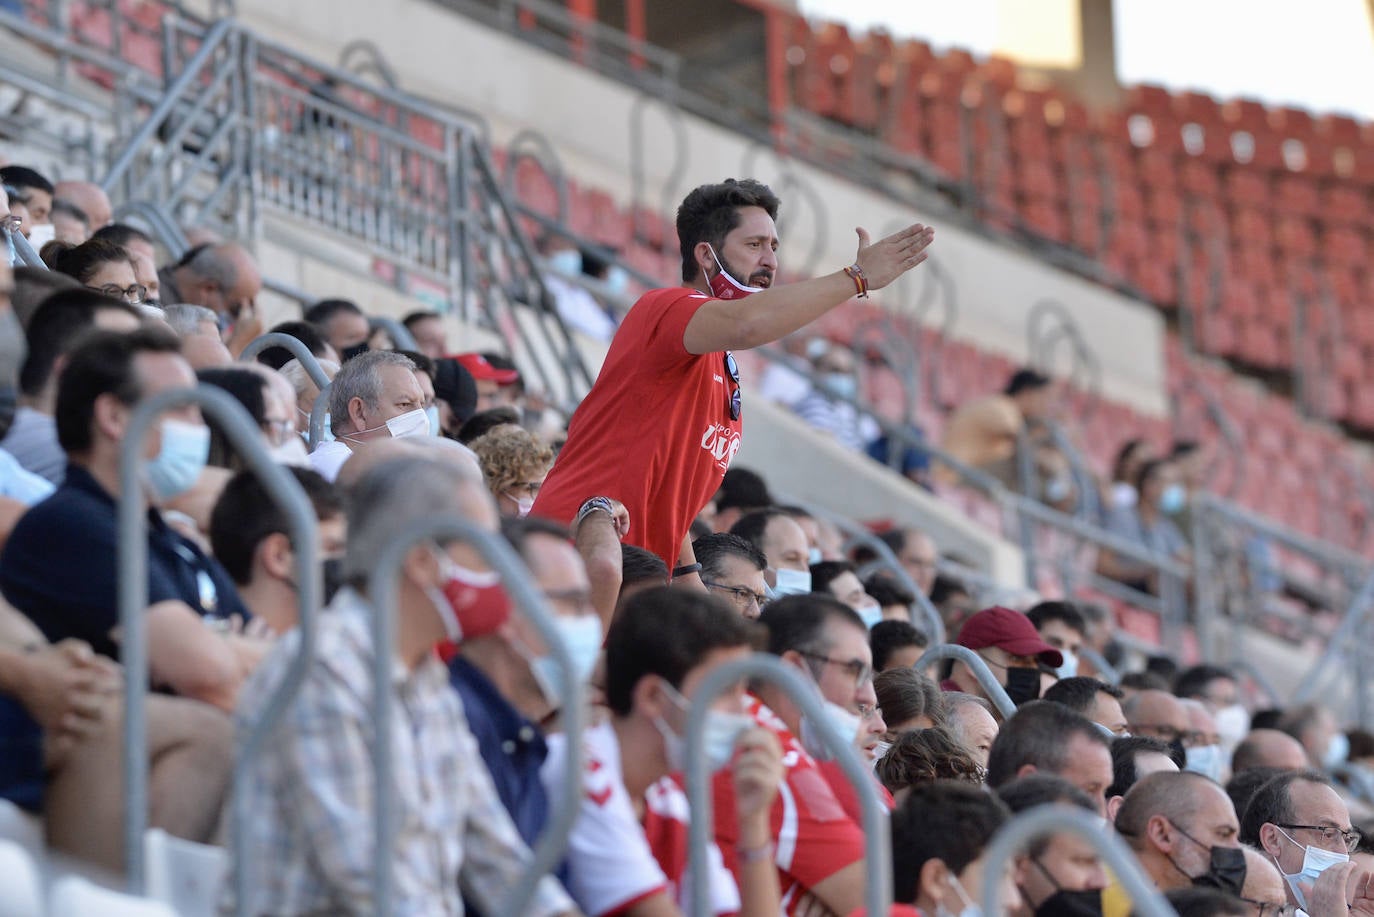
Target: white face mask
[
  {"x": 582, "y": 635},
  {"x": 845, "y": 723},
  {"x": 879, "y": 750},
  {"x": 813, "y": 556},
  {"x": 718, "y": 738},
  {"x": 432, "y": 412},
  {"x": 411, "y": 423},
  {"x": 40, "y": 234},
  {"x": 1205, "y": 760},
  {"x": 969, "y": 909},
  {"x": 870, "y": 614},
  {"x": 1070, "y": 667},
  {"x": 1315, "y": 861},
  {"x": 291, "y": 452},
  {"x": 523, "y": 505},
  {"x": 792, "y": 582},
  {"x": 1233, "y": 722}
]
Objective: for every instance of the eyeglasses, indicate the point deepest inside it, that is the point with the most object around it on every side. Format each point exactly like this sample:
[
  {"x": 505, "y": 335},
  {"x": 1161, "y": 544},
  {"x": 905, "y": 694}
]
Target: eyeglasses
[
  {"x": 1273, "y": 909},
  {"x": 869, "y": 711},
  {"x": 1329, "y": 833},
  {"x": 861, "y": 672},
  {"x": 133, "y": 293},
  {"x": 732, "y": 370},
  {"x": 10, "y": 223},
  {"x": 740, "y": 595},
  {"x": 279, "y": 431}
]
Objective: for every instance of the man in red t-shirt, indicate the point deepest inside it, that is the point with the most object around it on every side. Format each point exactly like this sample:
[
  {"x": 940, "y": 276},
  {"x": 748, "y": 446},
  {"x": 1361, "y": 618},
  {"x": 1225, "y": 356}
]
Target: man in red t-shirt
[{"x": 663, "y": 420}]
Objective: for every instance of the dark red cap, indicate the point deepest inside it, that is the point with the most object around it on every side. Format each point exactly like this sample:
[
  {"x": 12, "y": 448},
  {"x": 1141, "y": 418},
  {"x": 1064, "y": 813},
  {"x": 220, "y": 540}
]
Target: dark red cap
[
  {"x": 1008, "y": 630},
  {"x": 482, "y": 369}
]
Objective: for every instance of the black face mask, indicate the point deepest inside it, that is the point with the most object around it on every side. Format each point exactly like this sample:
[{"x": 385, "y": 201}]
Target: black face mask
[
  {"x": 1178, "y": 753},
  {"x": 332, "y": 568},
  {"x": 349, "y": 353},
  {"x": 1064, "y": 903},
  {"x": 1225, "y": 871},
  {"x": 1023, "y": 685}
]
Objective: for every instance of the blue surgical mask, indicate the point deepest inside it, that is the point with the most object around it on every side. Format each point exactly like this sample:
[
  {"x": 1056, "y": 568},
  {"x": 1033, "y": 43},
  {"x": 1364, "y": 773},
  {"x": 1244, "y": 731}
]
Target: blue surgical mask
[
  {"x": 842, "y": 384},
  {"x": 582, "y": 636},
  {"x": 568, "y": 261},
  {"x": 177, "y": 467},
  {"x": 718, "y": 738},
  {"x": 813, "y": 556},
  {"x": 617, "y": 281},
  {"x": 1337, "y": 750},
  {"x": 1205, "y": 760},
  {"x": 792, "y": 582},
  {"x": 1173, "y": 499},
  {"x": 870, "y": 614},
  {"x": 1315, "y": 861},
  {"x": 1070, "y": 667},
  {"x": 432, "y": 412}
]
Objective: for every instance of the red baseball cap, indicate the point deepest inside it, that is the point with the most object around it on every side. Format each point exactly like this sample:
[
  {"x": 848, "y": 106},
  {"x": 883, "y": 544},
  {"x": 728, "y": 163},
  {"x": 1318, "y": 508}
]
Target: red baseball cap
[
  {"x": 482, "y": 370},
  {"x": 1008, "y": 630}
]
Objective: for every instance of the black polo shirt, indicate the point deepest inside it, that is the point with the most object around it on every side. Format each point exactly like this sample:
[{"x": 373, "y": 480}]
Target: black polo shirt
[{"x": 59, "y": 564}]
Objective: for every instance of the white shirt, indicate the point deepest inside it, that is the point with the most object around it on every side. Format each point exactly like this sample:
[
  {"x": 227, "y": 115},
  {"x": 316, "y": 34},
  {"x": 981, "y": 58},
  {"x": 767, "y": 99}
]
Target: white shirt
[{"x": 329, "y": 457}]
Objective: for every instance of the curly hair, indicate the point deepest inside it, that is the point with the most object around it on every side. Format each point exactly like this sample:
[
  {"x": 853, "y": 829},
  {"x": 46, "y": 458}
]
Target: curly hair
[
  {"x": 710, "y": 212},
  {"x": 511, "y": 455},
  {"x": 926, "y": 755}
]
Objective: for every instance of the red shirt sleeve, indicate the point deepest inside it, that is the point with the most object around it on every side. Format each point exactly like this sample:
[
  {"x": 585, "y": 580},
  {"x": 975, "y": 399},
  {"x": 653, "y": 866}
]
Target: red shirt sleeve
[{"x": 664, "y": 339}]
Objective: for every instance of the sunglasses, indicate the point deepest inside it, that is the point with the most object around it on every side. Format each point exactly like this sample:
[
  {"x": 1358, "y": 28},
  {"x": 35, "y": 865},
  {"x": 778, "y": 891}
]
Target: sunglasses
[{"x": 732, "y": 370}]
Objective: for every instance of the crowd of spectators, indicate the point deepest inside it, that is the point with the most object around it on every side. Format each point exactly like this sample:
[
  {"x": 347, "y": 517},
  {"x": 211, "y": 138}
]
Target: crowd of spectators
[{"x": 659, "y": 563}]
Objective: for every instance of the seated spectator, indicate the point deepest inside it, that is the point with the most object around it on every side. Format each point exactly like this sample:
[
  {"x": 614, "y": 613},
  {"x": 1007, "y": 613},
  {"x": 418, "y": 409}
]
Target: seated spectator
[
  {"x": 224, "y": 278},
  {"x": 837, "y": 577},
  {"x": 909, "y": 701},
  {"x": 307, "y": 392},
  {"x": 1318, "y": 733},
  {"x": 264, "y": 408},
  {"x": 1183, "y": 832},
  {"x": 1149, "y": 524},
  {"x": 32, "y": 192},
  {"x": 1121, "y": 492},
  {"x": 1046, "y": 738},
  {"x": 105, "y": 377},
  {"x": 373, "y": 396},
  {"x": 953, "y": 600},
  {"x": 1203, "y": 753},
  {"x": 733, "y": 569},
  {"x": 250, "y": 537},
  {"x": 923, "y": 756},
  {"x": 424, "y": 374},
  {"x": 489, "y": 379},
  {"x": 969, "y": 719},
  {"x": 914, "y": 551},
  {"x": 52, "y": 331},
  {"x": 895, "y": 601},
  {"x": 626, "y": 852},
  {"x": 201, "y": 343},
  {"x": 1159, "y": 715},
  {"x": 1008, "y": 642},
  {"x": 311, "y": 835},
  {"x": 1244, "y": 784},
  {"x": 816, "y": 534},
  {"x": 98, "y": 265},
  {"x": 1062, "y": 872},
  {"x": 514, "y": 464},
  {"x": 89, "y": 197},
  {"x": 985, "y": 433},
  {"x": 1132, "y": 683},
  {"x": 139, "y": 246},
  {"x": 1097, "y": 700},
  {"x": 1063, "y": 627},
  {"x": 307, "y": 334},
  {"x": 70, "y": 224},
  {"x": 787, "y": 380},
  {"x": 1216, "y": 687},
  {"x": 427, "y": 328},
  {"x": 825, "y": 408},
  {"x": 1134, "y": 757},
  {"x": 939, "y": 835},
  {"x": 1264, "y": 888},
  {"x": 896, "y": 645},
  {"x": 783, "y": 543},
  {"x": 483, "y": 422},
  {"x": 344, "y": 326},
  {"x": 578, "y": 308},
  {"x": 455, "y": 393},
  {"x": 1206, "y": 902},
  {"x": 1301, "y": 822},
  {"x": 741, "y": 492},
  {"x": 639, "y": 570}
]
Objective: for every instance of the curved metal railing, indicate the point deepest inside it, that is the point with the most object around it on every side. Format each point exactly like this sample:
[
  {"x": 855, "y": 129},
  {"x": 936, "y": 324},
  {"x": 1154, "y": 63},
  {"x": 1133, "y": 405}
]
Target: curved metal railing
[
  {"x": 298, "y": 350},
  {"x": 978, "y": 667}
]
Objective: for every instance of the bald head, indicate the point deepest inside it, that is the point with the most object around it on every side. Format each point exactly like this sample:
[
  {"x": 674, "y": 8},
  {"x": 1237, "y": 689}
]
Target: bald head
[
  {"x": 1156, "y": 714},
  {"x": 1176, "y": 795},
  {"x": 89, "y": 197},
  {"x": 1263, "y": 883},
  {"x": 1269, "y": 748}
]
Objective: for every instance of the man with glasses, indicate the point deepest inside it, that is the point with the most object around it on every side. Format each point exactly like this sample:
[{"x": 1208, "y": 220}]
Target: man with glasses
[
  {"x": 1303, "y": 826},
  {"x": 733, "y": 568},
  {"x": 667, "y": 406}
]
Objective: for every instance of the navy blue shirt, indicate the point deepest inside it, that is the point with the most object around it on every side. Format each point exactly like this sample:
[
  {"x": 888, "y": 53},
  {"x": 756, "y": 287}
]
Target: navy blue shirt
[{"x": 59, "y": 565}]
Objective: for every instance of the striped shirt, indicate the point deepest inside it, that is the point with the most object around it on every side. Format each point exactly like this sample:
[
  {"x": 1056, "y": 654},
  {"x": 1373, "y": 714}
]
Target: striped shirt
[{"x": 311, "y": 790}]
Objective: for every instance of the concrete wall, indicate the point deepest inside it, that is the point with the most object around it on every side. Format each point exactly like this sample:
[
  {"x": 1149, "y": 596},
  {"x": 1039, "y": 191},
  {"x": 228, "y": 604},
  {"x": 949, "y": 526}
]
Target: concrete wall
[{"x": 587, "y": 117}]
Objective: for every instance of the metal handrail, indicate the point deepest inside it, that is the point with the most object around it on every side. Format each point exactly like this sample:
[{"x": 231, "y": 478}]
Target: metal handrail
[
  {"x": 400, "y": 335},
  {"x": 978, "y": 666},
  {"x": 1012, "y": 838},
  {"x": 132, "y": 557},
  {"x": 298, "y": 350},
  {"x": 515, "y": 577},
  {"x": 877, "y": 844},
  {"x": 1105, "y": 670},
  {"x": 318, "y": 411},
  {"x": 1340, "y": 643},
  {"x": 24, "y": 251}
]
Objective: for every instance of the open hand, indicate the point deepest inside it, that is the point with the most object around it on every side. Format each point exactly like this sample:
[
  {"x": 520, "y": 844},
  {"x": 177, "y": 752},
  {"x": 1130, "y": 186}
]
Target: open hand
[{"x": 887, "y": 259}]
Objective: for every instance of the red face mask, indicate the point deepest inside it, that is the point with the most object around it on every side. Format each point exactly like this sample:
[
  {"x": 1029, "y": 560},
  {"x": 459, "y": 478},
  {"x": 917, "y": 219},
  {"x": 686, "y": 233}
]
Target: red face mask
[
  {"x": 470, "y": 603},
  {"x": 723, "y": 286}
]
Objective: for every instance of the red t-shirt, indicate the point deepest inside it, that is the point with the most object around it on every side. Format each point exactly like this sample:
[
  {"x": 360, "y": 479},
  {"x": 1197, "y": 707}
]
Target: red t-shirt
[
  {"x": 654, "y": 432},
  {"x": 815, "y": 838}
]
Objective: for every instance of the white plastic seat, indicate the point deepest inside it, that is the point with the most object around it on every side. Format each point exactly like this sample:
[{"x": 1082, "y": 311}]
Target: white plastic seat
[
  {"x": 182, "y": 874},
  {"x": 24, "y": 829},
  {"x": 21, "y": 886},
  {"x": 74, "y": 896}
]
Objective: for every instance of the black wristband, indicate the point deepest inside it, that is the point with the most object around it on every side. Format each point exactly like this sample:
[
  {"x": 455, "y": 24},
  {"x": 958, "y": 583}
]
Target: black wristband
[{"x": 686, "y": 570}]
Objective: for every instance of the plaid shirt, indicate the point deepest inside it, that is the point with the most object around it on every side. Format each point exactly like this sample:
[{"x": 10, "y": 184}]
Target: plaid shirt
[{"x": 311, "y": 790}]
